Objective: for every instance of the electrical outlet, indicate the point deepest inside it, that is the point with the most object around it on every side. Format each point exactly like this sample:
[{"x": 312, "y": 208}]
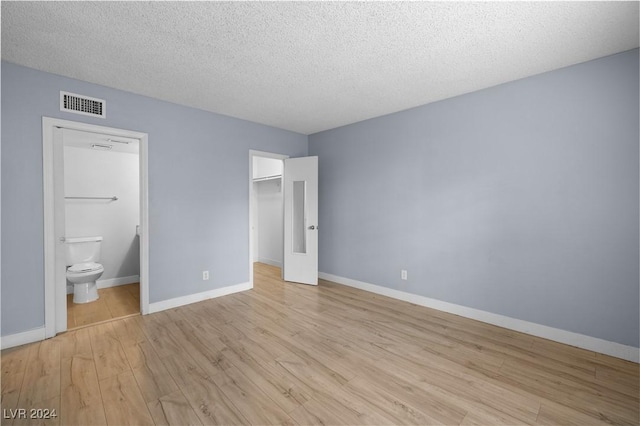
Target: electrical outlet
[
  {"x": 403, "y": 274},
  {"x": 205, "y": 275}
]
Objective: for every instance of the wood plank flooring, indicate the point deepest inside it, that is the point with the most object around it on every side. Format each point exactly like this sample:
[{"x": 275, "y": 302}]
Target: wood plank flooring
[
  {"x": 292, "y": 354},
  {"x": 114, "y": 302}
]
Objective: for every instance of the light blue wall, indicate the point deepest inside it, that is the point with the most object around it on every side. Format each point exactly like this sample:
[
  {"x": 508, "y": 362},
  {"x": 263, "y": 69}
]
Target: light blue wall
[
  {"x": 520, "y": 200},
  {"x": 198, "y": 188}
]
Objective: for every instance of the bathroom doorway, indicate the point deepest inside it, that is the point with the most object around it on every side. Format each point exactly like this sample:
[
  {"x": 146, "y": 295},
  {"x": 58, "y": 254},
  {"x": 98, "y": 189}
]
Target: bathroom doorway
[
  {"x": 96, "y": 221},
  {"x": 102, "y": 201}
]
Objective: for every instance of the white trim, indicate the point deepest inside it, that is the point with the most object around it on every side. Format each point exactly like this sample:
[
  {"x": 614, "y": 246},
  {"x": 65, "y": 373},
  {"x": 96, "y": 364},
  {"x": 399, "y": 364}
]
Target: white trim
[
  {"x": 23, "y": 338},
  {"x": 48, "y": 124},
  {"x": 254, "y": 153},
  {"x": 49, "y": 232},
  {"x": 115, "y": 282},
  {"x": 143, "y": 234},
  {"x": 595, "y": 344},
  {"x": 270, "y": 262},
  {"x": 198, "y": 297}
]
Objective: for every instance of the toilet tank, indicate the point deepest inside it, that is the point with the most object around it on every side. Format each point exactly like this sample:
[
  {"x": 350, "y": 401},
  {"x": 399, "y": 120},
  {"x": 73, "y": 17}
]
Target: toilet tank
[{"x": 82, "y": 249}]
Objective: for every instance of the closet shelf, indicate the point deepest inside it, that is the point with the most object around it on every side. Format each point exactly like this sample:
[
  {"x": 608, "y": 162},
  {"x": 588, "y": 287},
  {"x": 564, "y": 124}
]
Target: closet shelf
[{"x": 260, "y": 179}]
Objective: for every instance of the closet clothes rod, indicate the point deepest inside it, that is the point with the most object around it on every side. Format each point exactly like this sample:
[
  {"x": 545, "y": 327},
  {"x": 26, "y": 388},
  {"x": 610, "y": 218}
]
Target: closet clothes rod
[{"x": 114, "y": 198}]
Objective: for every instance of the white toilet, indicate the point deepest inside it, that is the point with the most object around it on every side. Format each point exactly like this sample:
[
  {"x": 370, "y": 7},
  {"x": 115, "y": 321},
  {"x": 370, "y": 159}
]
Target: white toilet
[{"x": 83, "y": 269}]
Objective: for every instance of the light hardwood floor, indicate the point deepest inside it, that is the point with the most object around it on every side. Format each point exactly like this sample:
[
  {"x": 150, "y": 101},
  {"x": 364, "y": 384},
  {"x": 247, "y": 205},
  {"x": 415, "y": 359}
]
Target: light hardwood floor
[
  {"x": 114, "y": 302},
  {"x": 294, "y": 354}
]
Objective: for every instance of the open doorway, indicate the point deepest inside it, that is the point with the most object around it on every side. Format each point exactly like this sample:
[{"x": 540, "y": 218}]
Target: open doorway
[
  {"x": 266, "y": 210},
  {"x": 102, "y": 218},
  {"x": 283, "y": 215},
  {"x": 96, "y": 223}
]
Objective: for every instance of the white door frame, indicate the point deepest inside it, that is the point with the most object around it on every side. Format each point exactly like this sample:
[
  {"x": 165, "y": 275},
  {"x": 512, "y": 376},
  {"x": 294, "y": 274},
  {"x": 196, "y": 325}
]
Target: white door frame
[
  {"x": 254, "y": 153},
  {"x": 55, "y": 315}
]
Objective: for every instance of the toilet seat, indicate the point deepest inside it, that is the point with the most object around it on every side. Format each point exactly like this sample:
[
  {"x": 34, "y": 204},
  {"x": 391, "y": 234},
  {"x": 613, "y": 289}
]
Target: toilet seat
[{"x": 84, "y": 267}]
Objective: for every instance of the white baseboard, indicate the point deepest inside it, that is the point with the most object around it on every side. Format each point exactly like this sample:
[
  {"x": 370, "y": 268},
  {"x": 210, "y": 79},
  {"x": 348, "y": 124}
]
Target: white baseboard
[
  {"x": 38, "y": 334},
  {"x": 595, "y": 344},
  {"x": 114, "y": 282},
  {"x": 198, "y": 297},
  {"x": 111, "y": 282},
  {"x": 270, "y": 262},
  {"x": 23, "y": 338}
]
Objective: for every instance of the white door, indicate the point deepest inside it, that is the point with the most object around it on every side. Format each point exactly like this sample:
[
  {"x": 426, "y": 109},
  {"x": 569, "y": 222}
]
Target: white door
[{"x": 301, "y": 220}]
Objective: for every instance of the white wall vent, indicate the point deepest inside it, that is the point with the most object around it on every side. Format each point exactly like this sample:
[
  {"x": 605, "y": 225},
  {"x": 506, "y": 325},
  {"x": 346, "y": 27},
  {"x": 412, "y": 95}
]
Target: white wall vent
[{"x": 80, "y": 104}]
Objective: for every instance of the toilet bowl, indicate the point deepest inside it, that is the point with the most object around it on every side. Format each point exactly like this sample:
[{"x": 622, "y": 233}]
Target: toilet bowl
[
  {"x": 83, "y": 255},
  {"x": 83, "y": 276}
]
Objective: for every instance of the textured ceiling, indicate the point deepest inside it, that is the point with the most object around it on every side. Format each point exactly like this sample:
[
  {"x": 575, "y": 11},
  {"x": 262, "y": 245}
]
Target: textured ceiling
[{"x": 310, "y": 66}]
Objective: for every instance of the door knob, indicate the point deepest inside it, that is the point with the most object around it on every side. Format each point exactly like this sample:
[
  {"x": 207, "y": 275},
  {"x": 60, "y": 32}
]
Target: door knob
[{"x": 312, "y": 227}]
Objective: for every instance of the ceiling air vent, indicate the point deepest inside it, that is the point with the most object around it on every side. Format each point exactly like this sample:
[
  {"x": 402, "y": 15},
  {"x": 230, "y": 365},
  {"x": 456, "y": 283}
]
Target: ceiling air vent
[{"x": 85, "y": 105}]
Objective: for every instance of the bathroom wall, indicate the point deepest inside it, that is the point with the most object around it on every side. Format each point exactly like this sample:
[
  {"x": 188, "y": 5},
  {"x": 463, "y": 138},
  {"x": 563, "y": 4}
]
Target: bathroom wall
[
  {"x": 198, "y": 188},
  {"x": 94, "y": 173},
  {"x": 270, "y": 221}
]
